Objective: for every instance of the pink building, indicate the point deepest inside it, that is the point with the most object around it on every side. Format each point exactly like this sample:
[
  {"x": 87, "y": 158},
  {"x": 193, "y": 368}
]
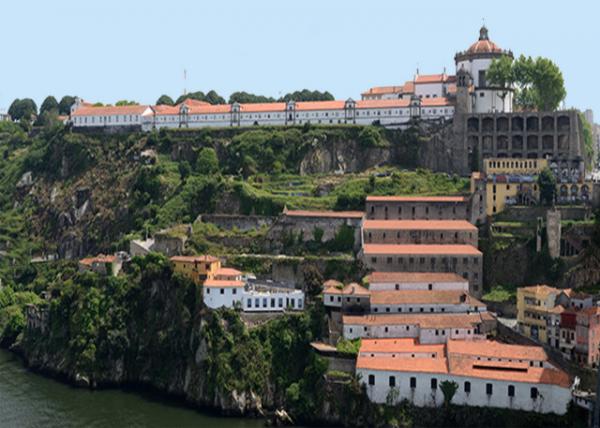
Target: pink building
[{"x": 588, "y": 336}]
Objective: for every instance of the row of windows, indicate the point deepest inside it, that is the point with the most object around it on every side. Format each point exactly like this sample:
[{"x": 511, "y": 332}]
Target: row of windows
[
  {"x": 422, "y": 309},
  {"x": 107, "y": 119},
  {"x": 386, "y": 329},
  {"x": 413, "y": 210},
  {"x": 416, "y": 233},
  {"x": 432, "y": 260},
  {"x": 527, "y": 164},
  {"x": 272, "y": 302},
  {"x": 489, "y": 388}
]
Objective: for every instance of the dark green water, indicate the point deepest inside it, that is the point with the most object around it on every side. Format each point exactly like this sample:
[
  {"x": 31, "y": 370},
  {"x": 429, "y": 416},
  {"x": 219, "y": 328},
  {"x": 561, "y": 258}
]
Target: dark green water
[{"x": 31, "y": 400}]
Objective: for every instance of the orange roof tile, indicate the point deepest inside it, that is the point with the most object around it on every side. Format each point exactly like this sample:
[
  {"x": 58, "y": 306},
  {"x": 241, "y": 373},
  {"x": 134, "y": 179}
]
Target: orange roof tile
[
  {"x": 392, "y": 345},
  {"x": 393, "y": 103},
  {"x": 332, "y": 283},
  {"x": 165, "y": 110},
  {"x": 380, "y": 90},
  {"x": 100, "y": 258},
  {"x": 262, "y": 107},
  {"x": 418, "y": 249},
  {"x": 419, "y": 225},
  {"x": 320, "y": 105},
  {"x": 412, "y": 277},
  {"x": 428, "y": 297},
  {"x": 436, "y": 102},
  {"x": 424, "y": 320},
  {"x": 329, "y": 214},
  {"x": 418, "y": 365},
  {"x": 193, "y": 259},
  {"x": 352, "y": 289},
  {"x": 219, "y": 283},
  {"x": 430, "y": 78},
  {"x": 436, "y": 199},
  {"x": 489, "y": 348},
  {"x": 109, "y": 110},
  {"x": 541, "y": 289},
  {"x": 225, "y": 271},
  {"x": 409, "y": 87}
]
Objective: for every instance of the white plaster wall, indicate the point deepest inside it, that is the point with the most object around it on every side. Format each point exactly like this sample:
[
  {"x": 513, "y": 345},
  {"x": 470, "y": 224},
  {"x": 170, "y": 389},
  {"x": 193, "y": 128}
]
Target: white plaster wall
[
  {"x": 215, "y": 297},
  {"x": 272, "y": 301},
  {"x": 551, "y": 399},
  {"x": 381, "y": 286}
]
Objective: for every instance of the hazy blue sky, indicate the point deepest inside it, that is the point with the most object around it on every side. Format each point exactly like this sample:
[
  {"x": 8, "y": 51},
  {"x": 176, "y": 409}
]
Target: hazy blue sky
[{"x": 115, "y": 49}]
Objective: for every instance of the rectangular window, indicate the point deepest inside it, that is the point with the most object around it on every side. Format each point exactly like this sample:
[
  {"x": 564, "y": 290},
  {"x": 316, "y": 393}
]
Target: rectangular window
[
  {"x": 413, "y": 382},
  {"x": 488, "y": 388},
  {"x": 222, "y": 291},
  {"x": 511, "y": 390},
  {"x": 371, "y": 379},
  {"x": 392, "y": 381},
  {"x": 534, "y": 393},
  {"x": 234, "y": 291},
  {"x": 207, "y": 290},
  {"x": 467, "y": 386},
  {"x": 433, "y": 383}
]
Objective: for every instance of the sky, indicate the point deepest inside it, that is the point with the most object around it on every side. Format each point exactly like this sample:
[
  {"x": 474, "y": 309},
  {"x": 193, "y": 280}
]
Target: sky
[{"x": 108, "y": 50}]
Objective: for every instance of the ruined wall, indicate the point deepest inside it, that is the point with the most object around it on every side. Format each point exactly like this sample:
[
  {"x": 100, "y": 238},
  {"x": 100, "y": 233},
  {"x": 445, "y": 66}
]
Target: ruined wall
[{"x": 240, "y": 222}]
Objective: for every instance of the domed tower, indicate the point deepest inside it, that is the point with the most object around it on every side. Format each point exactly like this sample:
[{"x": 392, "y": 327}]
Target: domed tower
[{"x": 475, "y": 61}]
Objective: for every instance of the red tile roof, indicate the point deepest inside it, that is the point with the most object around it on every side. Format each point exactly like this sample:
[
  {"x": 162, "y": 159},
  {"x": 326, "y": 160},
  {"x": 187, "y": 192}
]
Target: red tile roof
[
  {"x": 412, "y": 277},
  {"x": 424, "y": 320},
  {"x": 444, "y": 199},
  {"x": 324, "y": 214},
  {"x": 380, "y": 90},
  {"x": 418, "y": 249},
  {"x": 489, "y": 348},
  {"x": 431, "y": 78},
  {"x": 262, "y": 107},
  {"x": 392, "y": 345},
  {"x": 225, "y": 271},
  {"x": 456, "y": 365},
  {"x": 393, "y": 103},
  {"x": 218, "y": 283},
  {"x": 419, "y": 225},
  {"x": 352, "y": 289},
  {"x": 423, "y": 297},
  {"x": 101, "y": 258},
  {"x": 193, "y": 259},
  {"x": 320, "y": 105},
  {"x": 109, "y": 110},
  {"x": 435, "y": 102}
]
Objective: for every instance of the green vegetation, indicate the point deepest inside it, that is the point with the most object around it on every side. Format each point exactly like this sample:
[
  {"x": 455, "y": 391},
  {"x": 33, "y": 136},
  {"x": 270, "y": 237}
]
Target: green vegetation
[
  {"x": 349, "y": 347},
  {"x": 538, "y": 83},
  {"x": 501, "y": 293},
  {"x": 588, "y": 141},
  {"x": 165, "y": 100},
  {"x": 547, "y": 183}
]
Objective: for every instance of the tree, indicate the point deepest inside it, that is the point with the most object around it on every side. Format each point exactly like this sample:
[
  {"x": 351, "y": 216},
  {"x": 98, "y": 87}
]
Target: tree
[
  {"x": 307, "y": 95},
  {"x": 538, "y": 83},
  {"x": 207, "y": 162},
  {"x": 313, "y": 281},
  {"x": 448, "y": 388},
  {"x": 22, "y": 109},
  {"x": 165, "y": 100},
  {"x": 126, "y": 103},
  {"x": 64, "y": 107},
  {"x": 211, "y": 97},
  {"x": 184, "y": 170},
  {"x": 247, "y": 98},
  {"x": 49, "y": 104},
  {"x": 547, "y": 184}
]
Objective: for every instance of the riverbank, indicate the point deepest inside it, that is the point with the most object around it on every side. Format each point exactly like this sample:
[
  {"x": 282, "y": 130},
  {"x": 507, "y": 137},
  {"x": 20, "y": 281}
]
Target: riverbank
[{"x": 28, "y": 399}]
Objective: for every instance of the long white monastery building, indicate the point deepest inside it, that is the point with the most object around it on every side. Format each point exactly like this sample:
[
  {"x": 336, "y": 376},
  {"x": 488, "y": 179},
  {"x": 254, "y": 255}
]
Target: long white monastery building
[{"x": 487, "y": 373}]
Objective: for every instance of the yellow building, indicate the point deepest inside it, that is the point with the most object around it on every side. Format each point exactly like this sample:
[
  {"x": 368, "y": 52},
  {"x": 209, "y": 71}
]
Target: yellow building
[
  {"x": 197, "y": 268},
  {"x": 535, "y": 305},
  {"x": 509, "y": 182}
]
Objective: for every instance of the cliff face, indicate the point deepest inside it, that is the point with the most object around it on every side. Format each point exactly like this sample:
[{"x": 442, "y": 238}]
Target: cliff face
[{"x": 150, "y": 328}]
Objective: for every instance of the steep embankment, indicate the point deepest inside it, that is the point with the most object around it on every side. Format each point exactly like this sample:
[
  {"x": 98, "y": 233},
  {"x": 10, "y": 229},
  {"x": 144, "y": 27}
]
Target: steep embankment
[{"x": 150, "y": 328}]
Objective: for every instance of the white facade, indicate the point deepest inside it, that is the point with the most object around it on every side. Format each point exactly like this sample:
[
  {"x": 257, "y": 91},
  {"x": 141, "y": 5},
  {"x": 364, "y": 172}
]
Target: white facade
[
  {"x": 550, "y": 399},
  {"x": 392, "y": 113},
  {"x": 461, "y": 285},
  {"x": 251, "y": 299},
  {"x": 437, "y": 308},
  {"x": 227, "y": 296},
  {"x": 272, "y": 301}
]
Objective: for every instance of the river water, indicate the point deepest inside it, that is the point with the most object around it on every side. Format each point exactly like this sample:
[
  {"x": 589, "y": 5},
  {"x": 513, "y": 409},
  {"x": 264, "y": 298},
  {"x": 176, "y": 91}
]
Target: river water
[{"x": 31, "y": 400}]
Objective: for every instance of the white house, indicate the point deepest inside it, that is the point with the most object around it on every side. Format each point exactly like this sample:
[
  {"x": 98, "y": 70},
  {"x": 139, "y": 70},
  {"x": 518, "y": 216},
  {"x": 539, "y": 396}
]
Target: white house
[
  {"x": 85, "y": 115},
  {"x": 427, "y": 328},
  {"x": 218, "y": 293},
  {"x": 521, "y": 378},
  {"x": 272, "y": 299},
  {"x": 382, "y": 281}
]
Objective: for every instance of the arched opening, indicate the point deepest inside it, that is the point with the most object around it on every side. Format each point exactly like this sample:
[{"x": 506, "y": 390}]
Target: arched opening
[
  {"x": 532, "y": 142},
  {"x": 488, "y": 124},
  {"x": 502, "y": 142},
  {"x": 517, "y": 142},
  {"x": 548, "y": 142},
  {"x": 517, "y": 123},
  {"x": 473, "y": 124},
  {"x": 548, "y": 123},
  {"x": 502, "y": 124},
  {"x": 564, "y": 124},
  {"x": 533, "y": 124}
]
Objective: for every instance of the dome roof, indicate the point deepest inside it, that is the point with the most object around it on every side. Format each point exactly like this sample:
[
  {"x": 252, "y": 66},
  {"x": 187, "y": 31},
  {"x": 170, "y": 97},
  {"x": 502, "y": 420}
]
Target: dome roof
[{"x": 484, "y": 45}]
